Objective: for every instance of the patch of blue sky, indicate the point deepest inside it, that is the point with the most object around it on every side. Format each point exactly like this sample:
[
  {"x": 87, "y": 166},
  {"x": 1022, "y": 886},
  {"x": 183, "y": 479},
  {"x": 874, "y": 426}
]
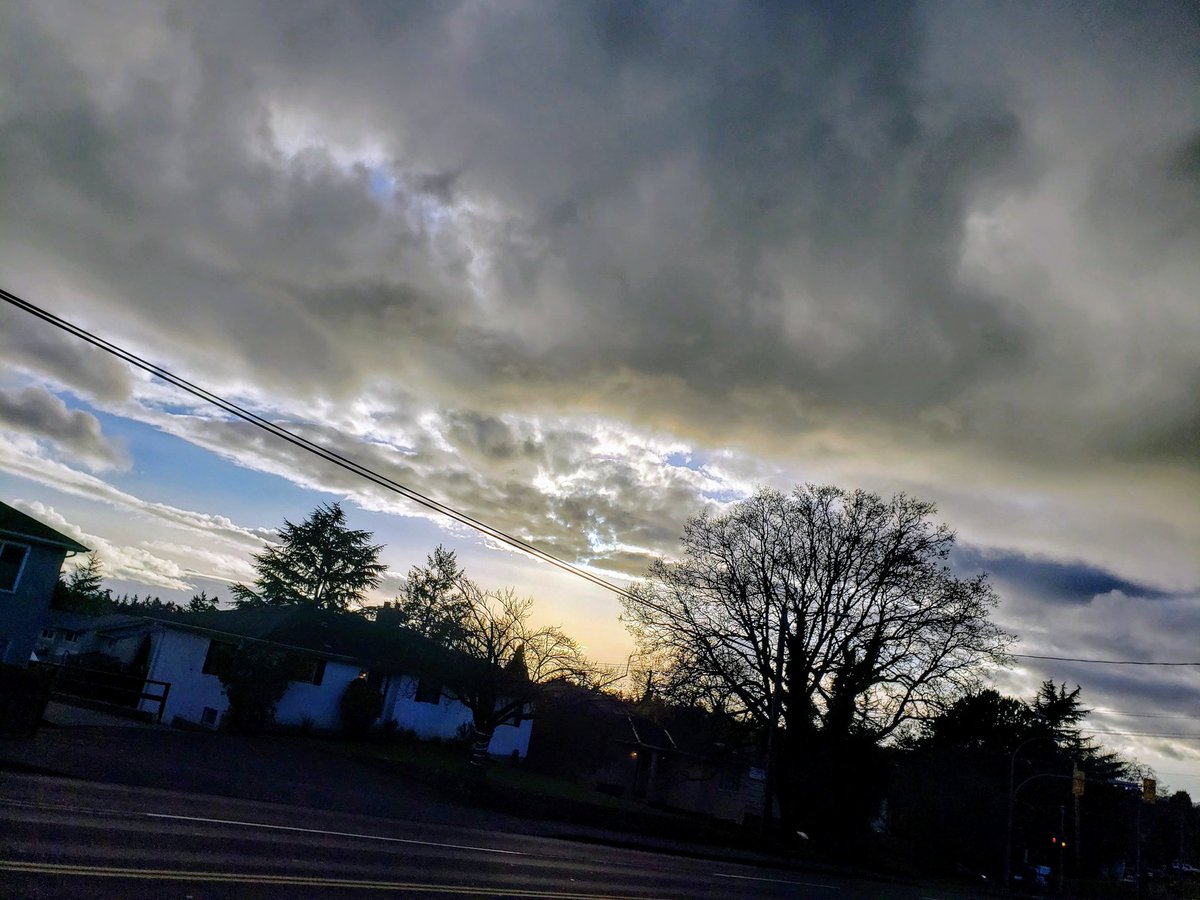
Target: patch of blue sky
[
  {"x": 381, "y": 184},
  {"x": 168, "y": 469},
  {"x": 680, "y": 459},
  {"x": 408, "y": 540}
]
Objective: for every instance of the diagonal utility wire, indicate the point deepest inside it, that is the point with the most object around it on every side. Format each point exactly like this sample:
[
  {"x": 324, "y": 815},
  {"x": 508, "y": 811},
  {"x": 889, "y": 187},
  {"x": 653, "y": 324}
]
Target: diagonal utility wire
[{"x": 305, "y": 444}]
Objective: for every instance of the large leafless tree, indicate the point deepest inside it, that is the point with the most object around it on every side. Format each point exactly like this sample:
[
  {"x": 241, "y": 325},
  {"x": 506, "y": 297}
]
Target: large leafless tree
[{"x": 827, "y": 610}]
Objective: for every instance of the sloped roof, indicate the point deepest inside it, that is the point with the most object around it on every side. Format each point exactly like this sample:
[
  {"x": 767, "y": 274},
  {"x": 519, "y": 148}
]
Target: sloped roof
[
  {"x": 325, "y": 632},
  {"x": 74, "y": 621},
  {"x": 15, "y": 523}
]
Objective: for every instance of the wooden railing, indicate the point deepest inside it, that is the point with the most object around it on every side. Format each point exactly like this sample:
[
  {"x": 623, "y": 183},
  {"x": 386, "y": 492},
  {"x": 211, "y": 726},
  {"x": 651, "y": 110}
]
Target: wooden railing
[{"x": 103, "y": 686}]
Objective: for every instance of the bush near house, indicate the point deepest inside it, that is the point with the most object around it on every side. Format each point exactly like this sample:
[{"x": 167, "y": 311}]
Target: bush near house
[
  {"x": 23, "y": 697},
  {"x": 361, "y": 705},
  {"x": 256, "y": 679}
]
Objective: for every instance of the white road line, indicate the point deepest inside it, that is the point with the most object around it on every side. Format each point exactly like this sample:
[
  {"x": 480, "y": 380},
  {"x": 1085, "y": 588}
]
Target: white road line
[
  {"x": 349, "y": 834},
  {"x": 60, "y": 869},
  {"x": 828, "y": 887}
]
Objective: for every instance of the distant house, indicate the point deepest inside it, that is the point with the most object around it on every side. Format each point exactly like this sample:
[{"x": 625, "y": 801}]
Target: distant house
[
  {"x": 70, "y": 637},
  {"x": 674, "y": 762},
  {"x": 326, "y": 651},
  {"x": 31, "y": 557}
]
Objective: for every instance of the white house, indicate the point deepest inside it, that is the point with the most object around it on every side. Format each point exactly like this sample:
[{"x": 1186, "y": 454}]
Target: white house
[{"x": 327, "y": 650}]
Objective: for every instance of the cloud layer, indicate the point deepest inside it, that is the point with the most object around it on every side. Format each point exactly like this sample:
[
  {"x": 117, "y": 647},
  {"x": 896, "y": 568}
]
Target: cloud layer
[{"x": 36, "y": 411}]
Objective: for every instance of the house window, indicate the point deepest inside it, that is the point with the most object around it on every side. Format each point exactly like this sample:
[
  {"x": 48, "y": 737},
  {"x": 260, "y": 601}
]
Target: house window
[
  {"x": 48, "y": 633},
  {"x": 208, "y": 717},
  {"x": 219, "y": 659},
  {"x": 12, "y": 561},
  {"x": 306, "y": 669},
  {"x": 428, "y": 691},
  {"x": 69, "y": 636}
]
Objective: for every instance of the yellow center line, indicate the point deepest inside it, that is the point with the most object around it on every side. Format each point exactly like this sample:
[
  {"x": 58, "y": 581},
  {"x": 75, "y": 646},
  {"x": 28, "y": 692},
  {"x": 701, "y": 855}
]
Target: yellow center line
[
  {"x": 41, "y": 868},
  {"x": 348, "y": 834}
]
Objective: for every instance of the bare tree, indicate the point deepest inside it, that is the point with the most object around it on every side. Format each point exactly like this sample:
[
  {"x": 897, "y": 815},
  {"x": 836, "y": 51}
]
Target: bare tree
[
  {"x": 507, "y": 657},
  {"x": 828, "y": 610}
]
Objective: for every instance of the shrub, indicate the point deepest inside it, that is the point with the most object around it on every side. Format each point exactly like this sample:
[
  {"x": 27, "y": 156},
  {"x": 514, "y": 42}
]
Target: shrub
[
  {"x": 361, "y": 706},
  {"x": 23, "y": 697},
  {"x": 254, "y": 683}
]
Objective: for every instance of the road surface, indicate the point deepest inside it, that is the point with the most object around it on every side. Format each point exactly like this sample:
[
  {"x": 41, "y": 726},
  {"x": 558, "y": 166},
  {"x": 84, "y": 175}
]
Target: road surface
[{"x": 61, "y": 838}]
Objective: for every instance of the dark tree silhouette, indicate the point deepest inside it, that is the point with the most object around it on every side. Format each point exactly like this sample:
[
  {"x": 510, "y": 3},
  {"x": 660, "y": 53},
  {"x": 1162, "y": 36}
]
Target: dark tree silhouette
[
  {"x": 507, "y": 658},
  {"x": 432, "y": 600},
  {"x": 201, "y": 602},
  {"x": 830, "y": 611},
  {"x": 319, "y": 563}
]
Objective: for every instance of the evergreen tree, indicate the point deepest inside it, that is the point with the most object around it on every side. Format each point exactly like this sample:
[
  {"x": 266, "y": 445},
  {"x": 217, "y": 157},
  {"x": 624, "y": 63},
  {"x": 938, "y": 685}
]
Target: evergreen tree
[
  {"x": 319, "y": 562},
  {"x": 433, "y": 600},
  {"x": 81, "y": 591},
  {"x": 201, "y": 602}
]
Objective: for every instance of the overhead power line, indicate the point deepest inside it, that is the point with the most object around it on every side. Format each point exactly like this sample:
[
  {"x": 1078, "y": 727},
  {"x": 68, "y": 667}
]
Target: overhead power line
[
  {"x": 310, "y": 446},
  {"x": 1158, "y": 734},
  {"x": 1136, "y": 715},
  {"x": 1103, "y": 662}
]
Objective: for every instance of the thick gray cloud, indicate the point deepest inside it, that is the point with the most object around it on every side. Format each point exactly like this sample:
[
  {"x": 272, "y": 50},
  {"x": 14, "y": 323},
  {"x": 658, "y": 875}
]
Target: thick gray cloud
[
  {"x": 36, "y": 411},
  {"x": 742, "y": 222}
]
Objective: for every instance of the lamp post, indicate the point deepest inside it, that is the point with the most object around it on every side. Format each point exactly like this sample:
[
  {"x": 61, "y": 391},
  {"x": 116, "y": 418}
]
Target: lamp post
[{"x": 1008, "y": 828}]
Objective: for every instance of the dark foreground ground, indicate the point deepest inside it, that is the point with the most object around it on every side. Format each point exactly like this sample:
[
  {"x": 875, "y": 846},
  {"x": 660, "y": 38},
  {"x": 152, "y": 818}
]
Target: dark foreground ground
[
  {"x": 99, "y": 807},
  {"x": 64, "y": 838}
]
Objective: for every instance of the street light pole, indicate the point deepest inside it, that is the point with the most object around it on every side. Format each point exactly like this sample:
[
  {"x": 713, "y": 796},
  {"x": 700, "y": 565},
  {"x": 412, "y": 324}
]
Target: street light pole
[{"x": 1008, "y": 828}]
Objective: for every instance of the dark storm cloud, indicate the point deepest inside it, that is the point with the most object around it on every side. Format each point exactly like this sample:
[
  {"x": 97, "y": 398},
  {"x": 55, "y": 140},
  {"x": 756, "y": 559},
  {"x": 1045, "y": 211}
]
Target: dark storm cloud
[
  {"x": 37, "y": 412},
  {"x": 34, "y": 347},
  {"x": 1050, "y": 579}
]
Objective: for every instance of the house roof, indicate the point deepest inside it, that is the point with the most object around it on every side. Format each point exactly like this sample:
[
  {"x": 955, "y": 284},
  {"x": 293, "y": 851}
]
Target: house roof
[
  {"x": 325, "y": 632},
  {"x": 14, "y": 523},
  {"x": 73, "y": 621}
]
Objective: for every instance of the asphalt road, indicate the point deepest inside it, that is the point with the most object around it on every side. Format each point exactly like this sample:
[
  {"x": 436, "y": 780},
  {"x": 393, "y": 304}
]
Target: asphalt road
[{"x": 61, "y": 838}]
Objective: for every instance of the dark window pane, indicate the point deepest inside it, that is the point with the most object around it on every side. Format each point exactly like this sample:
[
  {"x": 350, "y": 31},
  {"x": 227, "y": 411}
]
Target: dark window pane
[
  {"x": 11, "y": 557},
  {"x": 219, "y": 660},
  {"x": 429, "y": 691}
]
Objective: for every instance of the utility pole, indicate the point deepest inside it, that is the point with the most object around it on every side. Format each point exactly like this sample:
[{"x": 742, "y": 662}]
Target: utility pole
[
  {"x": 1062, "y": 844},
  {"x": 1077, "y": 785}
]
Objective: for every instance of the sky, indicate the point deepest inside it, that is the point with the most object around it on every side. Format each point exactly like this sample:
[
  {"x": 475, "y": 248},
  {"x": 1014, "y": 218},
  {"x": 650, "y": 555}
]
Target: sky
[{"x": 583, "y": 270}]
